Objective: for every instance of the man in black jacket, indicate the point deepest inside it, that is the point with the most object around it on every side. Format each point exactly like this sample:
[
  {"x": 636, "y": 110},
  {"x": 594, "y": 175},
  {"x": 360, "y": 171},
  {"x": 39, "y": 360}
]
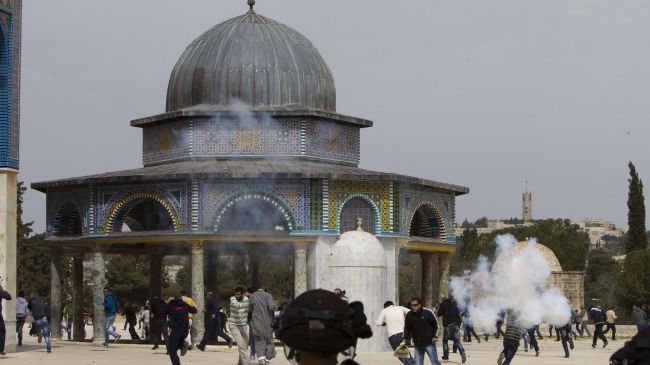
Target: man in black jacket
[
  {"x": 421, "y": 326},
  {"x": 158, "y": 321},
  {"x": 3, "y": 331},
  {"x": 599, "y": 321},
  {"x": 451, "y": 322},
  {"x": 179, "y": 324},
  {"x": 212, "y": 322}
]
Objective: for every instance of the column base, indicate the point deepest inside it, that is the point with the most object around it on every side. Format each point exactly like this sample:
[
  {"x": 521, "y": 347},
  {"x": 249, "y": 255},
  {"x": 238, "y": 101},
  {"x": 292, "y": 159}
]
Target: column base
[{"x": 11, "y": 341}]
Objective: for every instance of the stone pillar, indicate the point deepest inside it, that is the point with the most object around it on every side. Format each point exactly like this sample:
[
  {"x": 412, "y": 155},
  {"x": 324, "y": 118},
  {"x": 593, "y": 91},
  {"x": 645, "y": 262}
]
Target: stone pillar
[
  {"x": 299, "y": 269},
  {"x": 56, "y": 269},
  {"x": 445, "y": 261},
  {"x": 99, "y": 282},
  {"x": 156, "y": 254},
  {"x": 427, "y": 279},
  {"x": 79, "y": 330},
  {"x": 198, "y": 290},
  {"x": 8, "y": 214}
]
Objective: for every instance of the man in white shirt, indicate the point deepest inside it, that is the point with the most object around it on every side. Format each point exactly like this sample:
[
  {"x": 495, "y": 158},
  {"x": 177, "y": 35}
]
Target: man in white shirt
[{"x": 393, "y": 318}]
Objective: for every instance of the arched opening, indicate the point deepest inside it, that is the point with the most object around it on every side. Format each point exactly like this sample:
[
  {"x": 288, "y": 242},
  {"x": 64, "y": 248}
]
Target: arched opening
[
  {"x": 143, "y": 214},
  {"x": 427, "y": 222},
  {"x": 67, "y": 221},
  {"x": 357, "y": 208},
  {"x": 253, "y": 216}
]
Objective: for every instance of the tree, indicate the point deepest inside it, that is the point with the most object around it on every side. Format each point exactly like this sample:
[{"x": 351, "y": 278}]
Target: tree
[
  {"x": 32, "y": 254},
  {"x": 601, "y": 278},
  {"x": 634, "y": 281},
  {"x": 128, "y": 279},
  {"x": 637, "y": 238},
  {"x": 568, "y": 241}
]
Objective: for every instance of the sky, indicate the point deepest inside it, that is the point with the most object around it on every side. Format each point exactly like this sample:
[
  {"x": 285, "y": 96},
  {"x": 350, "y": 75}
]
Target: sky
[{"x": 484, "y": 94}]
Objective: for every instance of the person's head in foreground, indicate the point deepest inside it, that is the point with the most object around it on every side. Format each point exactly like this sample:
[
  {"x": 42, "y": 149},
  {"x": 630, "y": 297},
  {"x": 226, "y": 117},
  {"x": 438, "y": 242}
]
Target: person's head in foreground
[{"x": 317, "y": 326}]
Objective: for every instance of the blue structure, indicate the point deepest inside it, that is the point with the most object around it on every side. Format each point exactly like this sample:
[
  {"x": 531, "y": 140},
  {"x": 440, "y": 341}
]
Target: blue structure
[{"x": 9, "y": 82}]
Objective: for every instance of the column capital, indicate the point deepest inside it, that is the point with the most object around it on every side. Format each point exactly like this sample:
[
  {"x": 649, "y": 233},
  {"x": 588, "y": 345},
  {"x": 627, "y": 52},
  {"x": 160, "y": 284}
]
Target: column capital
[
  {"x": 300, "y": 245},
  {"x": 196, "y": 246},
  {"x": 99, "y": 247}
]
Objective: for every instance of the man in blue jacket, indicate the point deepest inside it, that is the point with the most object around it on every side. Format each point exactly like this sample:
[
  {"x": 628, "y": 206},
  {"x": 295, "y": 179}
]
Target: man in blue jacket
[
  {"x": 599, "y": 321},
  {"x": 110, "y": 311},
  {"x": 179, "y": 324}
]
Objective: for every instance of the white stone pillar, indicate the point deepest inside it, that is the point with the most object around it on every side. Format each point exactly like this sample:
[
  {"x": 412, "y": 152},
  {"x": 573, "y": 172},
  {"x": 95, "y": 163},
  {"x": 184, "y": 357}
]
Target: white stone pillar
[
  {"x": 299, "y": 269},
  {"x": 99, "y": 282},
  {"x": 198, "y": 290},
  {"x": 56, "y": 260},
  {"x": 8, "y": 215}
]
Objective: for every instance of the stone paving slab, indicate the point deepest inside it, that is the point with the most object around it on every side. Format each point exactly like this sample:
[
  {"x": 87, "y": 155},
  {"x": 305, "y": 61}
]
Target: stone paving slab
[{"x": 67, "y": 353}]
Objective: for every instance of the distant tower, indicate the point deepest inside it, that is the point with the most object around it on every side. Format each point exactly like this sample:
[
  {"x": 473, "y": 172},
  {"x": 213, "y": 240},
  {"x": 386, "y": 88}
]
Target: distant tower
[{"x": 527, "y": 205}]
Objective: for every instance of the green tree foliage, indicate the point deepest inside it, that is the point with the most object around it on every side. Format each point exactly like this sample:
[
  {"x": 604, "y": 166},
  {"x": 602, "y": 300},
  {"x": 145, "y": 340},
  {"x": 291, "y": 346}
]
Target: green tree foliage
[
  {"x": 277, "y": 271},
  {"x": 634, "y": 281},
  {"x": 480, "y": 223},
  {"x": 33, "y": 264},
  {"x": 637, "y": 238},
  {"x": 410, "y": 277},
  {"x": 128, "y": 278},
  {"x": 601, "y": 278},
  {"x": 569, "y": 243},
  {"x": 32, "y": 256},
  {"x": 472, "y": 245}
]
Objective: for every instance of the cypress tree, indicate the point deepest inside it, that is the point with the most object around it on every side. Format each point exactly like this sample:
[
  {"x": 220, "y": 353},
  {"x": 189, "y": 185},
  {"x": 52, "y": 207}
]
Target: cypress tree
[{"x": 637, "y": 238}]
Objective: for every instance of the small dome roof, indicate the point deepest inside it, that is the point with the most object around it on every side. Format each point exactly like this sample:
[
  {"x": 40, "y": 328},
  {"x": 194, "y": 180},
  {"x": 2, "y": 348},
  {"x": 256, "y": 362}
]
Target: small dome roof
[
  {"x": 515, "y": 250},
  {"x": 256, "y": 60},
  {"x": 358, "y": 249}
]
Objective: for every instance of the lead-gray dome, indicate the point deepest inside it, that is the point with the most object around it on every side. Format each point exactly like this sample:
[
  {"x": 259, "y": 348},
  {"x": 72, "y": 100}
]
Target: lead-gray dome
[{"x": 256, "y": 60}]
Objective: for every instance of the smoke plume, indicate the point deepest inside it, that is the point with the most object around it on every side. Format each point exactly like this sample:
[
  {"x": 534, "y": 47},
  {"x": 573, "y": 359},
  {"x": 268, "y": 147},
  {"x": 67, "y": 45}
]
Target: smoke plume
[{"x": 518, "y": 285}]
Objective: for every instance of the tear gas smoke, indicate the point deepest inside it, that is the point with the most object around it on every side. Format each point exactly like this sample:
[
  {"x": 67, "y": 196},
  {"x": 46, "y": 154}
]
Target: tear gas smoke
[{"x": 519, "y": 284}]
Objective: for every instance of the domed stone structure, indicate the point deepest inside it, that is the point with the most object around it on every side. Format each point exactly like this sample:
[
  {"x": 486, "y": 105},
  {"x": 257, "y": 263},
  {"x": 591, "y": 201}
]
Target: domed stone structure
[
  {"x": 250, "y": 158},
  {"x": 358, "y": 263},
  {"x": 255, "y": 60},
  {"x": 570, "y": 283},
  {"x": 516, "y": 250}
]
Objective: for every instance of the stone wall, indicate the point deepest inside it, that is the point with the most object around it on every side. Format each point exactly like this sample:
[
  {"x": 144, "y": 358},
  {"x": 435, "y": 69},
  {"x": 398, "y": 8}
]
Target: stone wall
[{"x": 571, "y": 284}]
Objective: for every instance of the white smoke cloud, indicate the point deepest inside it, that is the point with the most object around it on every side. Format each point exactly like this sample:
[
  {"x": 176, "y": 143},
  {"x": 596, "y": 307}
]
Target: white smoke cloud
[{"x": 519, "y": 284}]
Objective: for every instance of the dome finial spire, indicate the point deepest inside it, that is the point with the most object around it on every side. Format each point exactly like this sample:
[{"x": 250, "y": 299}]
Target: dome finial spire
[{"x": 251, "y": 3}]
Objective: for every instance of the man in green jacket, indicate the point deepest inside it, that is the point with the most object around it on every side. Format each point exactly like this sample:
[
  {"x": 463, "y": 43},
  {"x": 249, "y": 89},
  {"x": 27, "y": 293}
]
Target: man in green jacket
[{"x": 238, "y": 322}]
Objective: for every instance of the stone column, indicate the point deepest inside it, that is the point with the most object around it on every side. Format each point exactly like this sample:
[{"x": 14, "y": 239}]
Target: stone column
[
  {"x": 299, "y": 269},
  {"x": 79, "y": 331},
  {"x": 427, "y": 279},
  {"x": 99, "y": 282},
  {"x": 198, "y": 290},
  {"x": 156, "y": 255},
  {"x": 8, "y": 214},
  {"x": 56, "y": 261},
  {"x": 445, "y": 261}
]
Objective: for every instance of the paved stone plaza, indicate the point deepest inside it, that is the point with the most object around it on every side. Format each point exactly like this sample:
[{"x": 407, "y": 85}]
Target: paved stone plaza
[{"x": 485, "y": 353}]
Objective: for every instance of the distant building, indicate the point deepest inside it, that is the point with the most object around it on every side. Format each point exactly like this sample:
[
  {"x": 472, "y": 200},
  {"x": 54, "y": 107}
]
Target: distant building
[
  {"x": 599, "y": 230},
  {"x": 492, "y": 225}
]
